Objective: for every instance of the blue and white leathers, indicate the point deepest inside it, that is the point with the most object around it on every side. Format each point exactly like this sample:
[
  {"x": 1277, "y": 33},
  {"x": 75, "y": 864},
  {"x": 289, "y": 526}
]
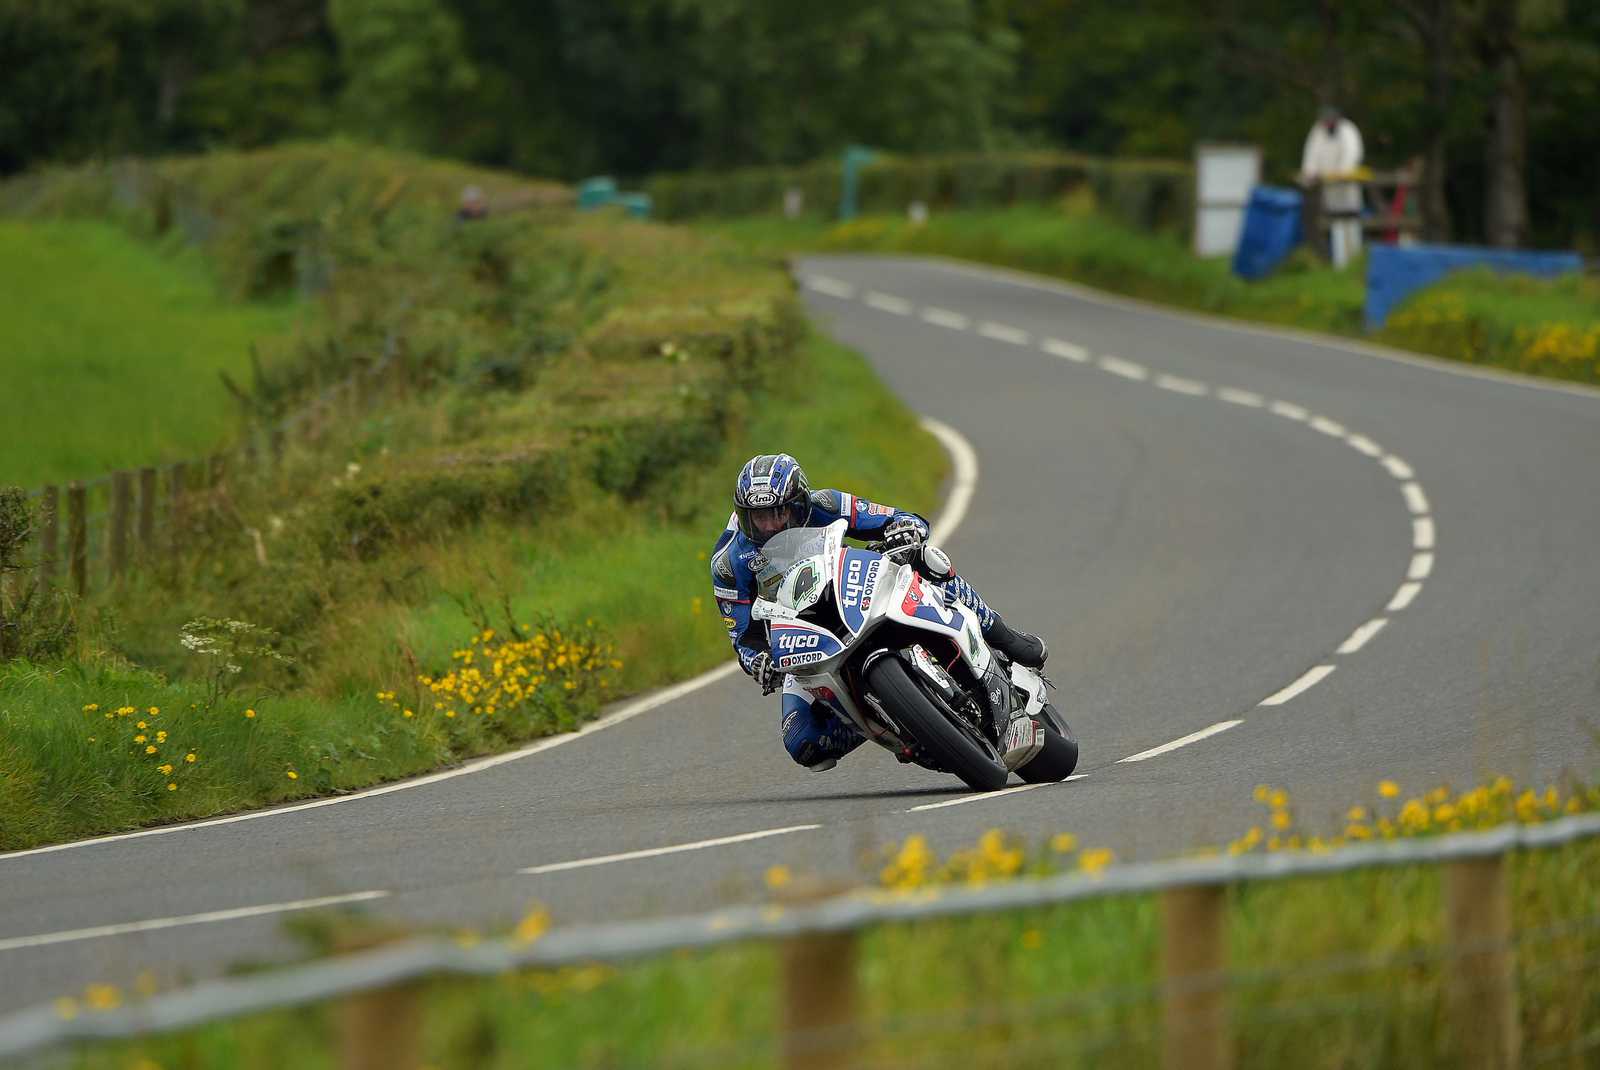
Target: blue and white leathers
[{"x": 813, "y": 732}]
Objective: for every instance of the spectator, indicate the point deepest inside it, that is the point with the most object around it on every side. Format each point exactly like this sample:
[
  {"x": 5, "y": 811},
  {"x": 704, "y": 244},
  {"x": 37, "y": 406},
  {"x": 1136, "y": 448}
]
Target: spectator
[{"x": 1333, "y": 152}]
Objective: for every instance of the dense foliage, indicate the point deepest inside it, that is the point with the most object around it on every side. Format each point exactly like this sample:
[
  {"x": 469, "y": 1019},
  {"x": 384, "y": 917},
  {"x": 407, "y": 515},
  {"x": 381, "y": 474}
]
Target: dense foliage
[{"x": 1487, "y": 91}]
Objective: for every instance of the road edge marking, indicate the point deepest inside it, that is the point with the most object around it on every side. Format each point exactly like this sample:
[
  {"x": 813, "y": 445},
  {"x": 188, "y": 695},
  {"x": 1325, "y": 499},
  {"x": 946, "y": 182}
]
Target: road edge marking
[
  {"x": 656, "y": 852},
  {"x": 1183, "y": 741}
]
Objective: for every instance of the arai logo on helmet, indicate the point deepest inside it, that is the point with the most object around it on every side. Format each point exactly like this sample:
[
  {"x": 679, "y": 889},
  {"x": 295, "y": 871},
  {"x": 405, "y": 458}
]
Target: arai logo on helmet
[{"x": 761, "y": 499}]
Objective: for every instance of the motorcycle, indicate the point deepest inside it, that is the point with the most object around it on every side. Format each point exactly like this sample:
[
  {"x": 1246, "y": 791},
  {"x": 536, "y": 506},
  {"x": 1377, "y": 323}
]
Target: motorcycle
[{"x": 866, "y": 633}]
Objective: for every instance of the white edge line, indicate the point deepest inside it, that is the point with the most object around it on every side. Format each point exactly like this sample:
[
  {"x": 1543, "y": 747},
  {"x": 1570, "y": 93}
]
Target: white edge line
[
  {"x": 656, "y": 852},
  {"x": 964, "y": 482},
  {"x": 1422, "y": 533},
  {"x": 1359, "y": 637},
  {"x": 1421, "y": 566},
  {"x": 985, "y": 796},
  {"x": 1403, "y": 597},
  {"x": 68, "y": 936},
  {"x": 1311, "y": 678},
  {"x": 1224, "y": 323},
  {"x": 1057, "y": 348},
  {"x": 1182, "y": 741}
]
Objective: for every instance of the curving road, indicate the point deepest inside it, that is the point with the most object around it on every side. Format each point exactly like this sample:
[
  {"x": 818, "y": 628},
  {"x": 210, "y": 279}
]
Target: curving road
[{"x": 1208, "y": 522}]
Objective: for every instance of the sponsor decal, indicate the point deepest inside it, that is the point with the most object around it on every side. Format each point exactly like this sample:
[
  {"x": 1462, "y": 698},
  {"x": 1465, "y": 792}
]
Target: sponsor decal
[
  {"x": 874, "y": 509},
  {"x": 789, "y": 661},
  {"x": 730, "y": 622},
  {"x": 789, "y": 641},
  {"x": 972, "y": 642},
  {"x": 757, "y": 562},
  {"x": 761, "y": 499},
  {"x": 858, "y": 580}
]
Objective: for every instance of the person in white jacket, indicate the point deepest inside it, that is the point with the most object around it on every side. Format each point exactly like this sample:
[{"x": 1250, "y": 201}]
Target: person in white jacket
[{"x": 1333, "y": 150}]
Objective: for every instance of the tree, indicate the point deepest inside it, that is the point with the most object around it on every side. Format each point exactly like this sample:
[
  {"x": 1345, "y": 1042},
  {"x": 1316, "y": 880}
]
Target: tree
[{"x": 405, "y": 68}]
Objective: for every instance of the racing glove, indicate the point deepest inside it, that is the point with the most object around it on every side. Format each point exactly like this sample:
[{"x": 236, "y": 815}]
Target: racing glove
[
  {"x": 904, "y": 534},
  {"x": 764, "y": 672}
]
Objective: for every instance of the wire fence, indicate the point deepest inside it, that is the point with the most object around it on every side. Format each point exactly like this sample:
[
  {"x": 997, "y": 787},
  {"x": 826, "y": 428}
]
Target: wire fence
[
  {"x": 91, "y": 532},
  {"x": 1476, "y": 962}
]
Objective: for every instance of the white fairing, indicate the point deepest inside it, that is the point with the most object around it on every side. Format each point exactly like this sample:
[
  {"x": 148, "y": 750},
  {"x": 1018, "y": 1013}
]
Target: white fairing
[{"x": 884, "y": 597}]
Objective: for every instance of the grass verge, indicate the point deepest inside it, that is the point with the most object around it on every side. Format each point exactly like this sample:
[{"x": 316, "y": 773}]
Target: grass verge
[
  {"x": 1357, "y": 960},
  {"x": 1538, "y": 327},
  {"x": 113, "y": 351},
  {"x": 551, "y": 466}
]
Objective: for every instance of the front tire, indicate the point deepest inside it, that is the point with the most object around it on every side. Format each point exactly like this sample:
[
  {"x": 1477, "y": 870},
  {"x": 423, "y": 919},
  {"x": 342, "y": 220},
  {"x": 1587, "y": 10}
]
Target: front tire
[
  {"x": 927, "y": 723},
  {"x": 1059, "y": 757}
]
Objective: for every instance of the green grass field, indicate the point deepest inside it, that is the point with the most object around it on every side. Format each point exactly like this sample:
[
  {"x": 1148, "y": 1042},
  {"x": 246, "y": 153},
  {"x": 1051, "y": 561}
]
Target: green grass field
[{"x": 112, "y": 349}]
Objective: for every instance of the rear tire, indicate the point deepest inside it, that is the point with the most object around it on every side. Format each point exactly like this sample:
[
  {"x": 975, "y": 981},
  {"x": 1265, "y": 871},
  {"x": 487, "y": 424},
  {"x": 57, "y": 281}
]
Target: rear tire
[
  {"x": 1059, "y": 757},
  {"x": 928, "y": 724}
]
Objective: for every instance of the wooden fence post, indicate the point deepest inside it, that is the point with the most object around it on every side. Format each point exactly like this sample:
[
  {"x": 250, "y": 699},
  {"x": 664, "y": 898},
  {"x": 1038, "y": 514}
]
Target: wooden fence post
[
  {"x": 1482, "y": 984},
  {"x": 381, "y": 1030},
  {"x": 147, "y": 512},
  {"x": 121, "y": 521},
  {"x": 1194, "y": 1026},
  {"x": 820, "y": 1003},
  {"x": 49, "y": 532},
  {"x": 176, "y": 477},
  {"x": 78, "y": 538}
]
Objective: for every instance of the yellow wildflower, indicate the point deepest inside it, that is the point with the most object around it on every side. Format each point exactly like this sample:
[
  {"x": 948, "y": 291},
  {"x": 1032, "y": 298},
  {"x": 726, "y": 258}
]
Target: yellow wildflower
[
  {"x": 249, "y": 714},
  {"x": 190, "y": 758},
  {"x": 1356, "y": 813},
  {"x": 1063, "y": 843},
  {"x": 172, "y": 787},
  {"x": 1095, "y": 859},
  {"x": 91, "y": 707},
  {"x": 534, "y": 924},
  {"x": 1261, "y": 794},
  {"x": 778, "y": 876},
  {"x": 1281, "y": 819},
  {"x": 292, "y": 775},
  {"x": 150, "y": 750},
  {"x": 102, "y": 997},
  {"x": 1388, "y": 789},
  {"x": 1032, "y": 939}
]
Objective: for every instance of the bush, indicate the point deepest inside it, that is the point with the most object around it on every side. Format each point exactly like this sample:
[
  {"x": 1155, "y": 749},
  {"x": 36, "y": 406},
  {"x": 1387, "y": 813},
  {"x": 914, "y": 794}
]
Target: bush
[{"x": 1149, "y": 194}]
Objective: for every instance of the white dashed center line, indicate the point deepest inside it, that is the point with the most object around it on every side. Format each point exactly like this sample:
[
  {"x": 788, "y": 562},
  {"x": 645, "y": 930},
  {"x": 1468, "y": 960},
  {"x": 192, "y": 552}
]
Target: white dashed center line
[
  {"x": 1001, "y": 333},
  {"x": 1183, "y": 741},
  {"x": 1422, "y": 533},
  {"x": 1365, "y": 445},
  {"x": 1057, "y": 348},
  {"x": 943, "y": 317},
  {"x": 1125, "y": 368},
  {"x": 987, "y": 795},
  {"x": 832, "y": 287},
  {"x": 1327, "y": 427},
  {"x": 656, "y": 852},
  {"x": 1284, "y": 409},
  {"x": 1416, "y": 501},
  {"x": 1421, "y": 566},
  {"x": 1403, "y": 596},
  {"x": 1233, "y": 396},
  {"x": 888, "y": 303},
  {"x": 1398, "y": 468},
  {"x": 1310, "y": 679},
  {"x": 1179, "y": 385},
  {"x": 1359, "y": 637}
]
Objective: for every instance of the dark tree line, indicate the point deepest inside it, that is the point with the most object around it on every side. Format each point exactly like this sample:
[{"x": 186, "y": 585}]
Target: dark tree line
[{"x": 1498, "y": 97}]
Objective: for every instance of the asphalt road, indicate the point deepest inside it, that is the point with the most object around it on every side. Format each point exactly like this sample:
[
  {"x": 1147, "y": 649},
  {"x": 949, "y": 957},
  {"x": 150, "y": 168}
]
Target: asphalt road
[{"x": 1203, "y": 520}]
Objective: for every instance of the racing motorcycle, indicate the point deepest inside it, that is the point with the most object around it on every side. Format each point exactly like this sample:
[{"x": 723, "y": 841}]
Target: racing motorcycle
[{"x": 864, "y": 631}]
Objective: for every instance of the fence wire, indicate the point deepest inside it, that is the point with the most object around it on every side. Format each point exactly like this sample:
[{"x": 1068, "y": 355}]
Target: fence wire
[{"x": 390, "y": 966}]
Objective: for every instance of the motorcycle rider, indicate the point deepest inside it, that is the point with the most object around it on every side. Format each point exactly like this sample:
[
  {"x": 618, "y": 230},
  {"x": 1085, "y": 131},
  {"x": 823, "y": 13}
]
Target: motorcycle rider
[{"x": 772, "y": 494}]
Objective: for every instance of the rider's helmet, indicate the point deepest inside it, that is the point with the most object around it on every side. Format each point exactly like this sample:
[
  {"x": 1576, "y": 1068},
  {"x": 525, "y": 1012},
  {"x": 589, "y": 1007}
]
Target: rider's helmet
[{"x": 772, "y": 494}]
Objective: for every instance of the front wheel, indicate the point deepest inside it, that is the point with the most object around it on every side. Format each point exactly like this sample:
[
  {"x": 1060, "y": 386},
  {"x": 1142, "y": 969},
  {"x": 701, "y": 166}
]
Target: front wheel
[
  {"x": 1059, "y": 756},
  {"x": 951, "y": 748}
]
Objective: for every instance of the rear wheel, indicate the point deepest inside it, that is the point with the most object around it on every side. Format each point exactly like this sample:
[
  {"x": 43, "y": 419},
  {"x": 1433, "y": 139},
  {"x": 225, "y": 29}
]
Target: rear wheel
[
  {"x": 1059, "y": 757},
  {"x": 946, "y": 743}
]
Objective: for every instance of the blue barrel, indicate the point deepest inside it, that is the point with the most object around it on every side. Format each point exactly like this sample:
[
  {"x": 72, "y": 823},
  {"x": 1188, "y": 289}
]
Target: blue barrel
[
  {"x": 1271, "y": 231},
  {"x": 636, "y": 205},
  {"x": 596, "y": 192}
]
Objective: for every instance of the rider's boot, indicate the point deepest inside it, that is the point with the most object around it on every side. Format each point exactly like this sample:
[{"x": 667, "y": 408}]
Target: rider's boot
[
  {"x": 822, "y": 766},
  {"x": 1024, "y": 648}
]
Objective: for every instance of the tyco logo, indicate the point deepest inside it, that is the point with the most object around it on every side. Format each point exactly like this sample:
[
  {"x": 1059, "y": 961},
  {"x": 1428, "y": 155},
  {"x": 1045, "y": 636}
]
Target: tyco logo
[
  {"x": 858, "y": 580},
  {"x": 791, "y": 642}
]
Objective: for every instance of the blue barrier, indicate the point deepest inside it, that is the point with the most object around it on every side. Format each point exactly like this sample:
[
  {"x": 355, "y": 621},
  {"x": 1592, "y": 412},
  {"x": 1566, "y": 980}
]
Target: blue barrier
[
  {"x": 1271, "y": 231},
  {"x": 1394, "y": 272}
]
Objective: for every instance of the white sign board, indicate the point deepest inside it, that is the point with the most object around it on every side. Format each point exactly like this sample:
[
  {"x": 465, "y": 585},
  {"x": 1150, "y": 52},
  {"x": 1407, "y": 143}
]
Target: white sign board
[{"x": 1224, "y": 177}]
